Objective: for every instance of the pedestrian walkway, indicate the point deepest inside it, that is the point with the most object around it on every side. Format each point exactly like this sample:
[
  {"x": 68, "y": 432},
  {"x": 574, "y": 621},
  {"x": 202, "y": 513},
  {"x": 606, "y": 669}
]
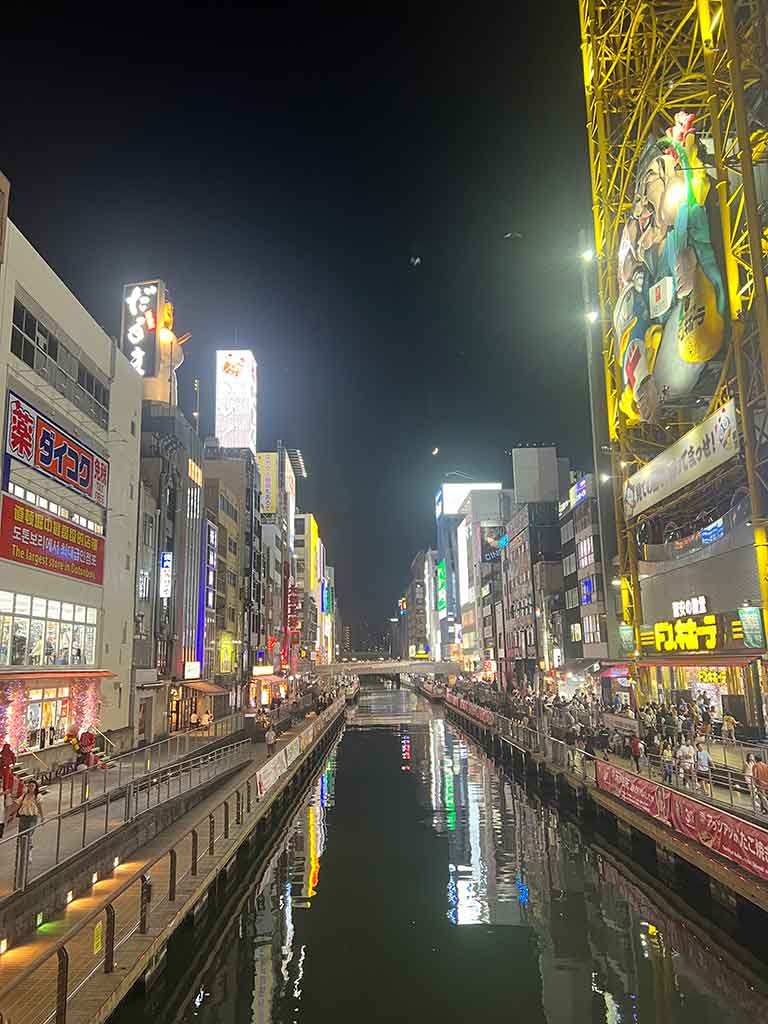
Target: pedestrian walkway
[
  {"x": 34, "y": 1002},
  {"x": 81, "y": 808}
]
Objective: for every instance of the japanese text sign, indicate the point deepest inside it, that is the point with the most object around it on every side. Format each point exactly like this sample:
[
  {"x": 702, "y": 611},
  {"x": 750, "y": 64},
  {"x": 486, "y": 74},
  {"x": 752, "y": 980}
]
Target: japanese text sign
[
  {"x": 143, "y": 309},
  {"x": 705, "y": 447},
  {"x": 33, "y": 439},
  {"x": 35, "y": 538},
  {"x": 698, "y": 633}
]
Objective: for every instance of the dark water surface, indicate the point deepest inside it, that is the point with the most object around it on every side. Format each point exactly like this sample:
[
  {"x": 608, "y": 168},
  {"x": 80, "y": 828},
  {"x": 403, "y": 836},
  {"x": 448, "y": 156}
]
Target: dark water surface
[{"x": 419, "y": 883}]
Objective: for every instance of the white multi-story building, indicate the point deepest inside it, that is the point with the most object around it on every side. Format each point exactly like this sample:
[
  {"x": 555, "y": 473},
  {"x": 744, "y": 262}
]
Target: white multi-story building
[{"x": 71, "y": 407}]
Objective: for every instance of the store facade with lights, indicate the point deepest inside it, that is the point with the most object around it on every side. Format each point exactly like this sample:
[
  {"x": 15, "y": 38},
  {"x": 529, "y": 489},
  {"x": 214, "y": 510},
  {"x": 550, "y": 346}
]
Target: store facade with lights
[{"x": 68, "y": 397}]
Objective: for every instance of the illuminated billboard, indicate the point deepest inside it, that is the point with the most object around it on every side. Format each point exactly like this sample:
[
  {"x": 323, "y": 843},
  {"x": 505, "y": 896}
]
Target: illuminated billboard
[
  {"x": 267, "y": 463},
  {"x": 451, "y": 497},
  {"x": 41, "y": 444},
  {"x": 705, "y": 447},
  {"x": 442, "y": 590},
  {"x": 670, "y": 319},
  {"x": 289, "y": 486},
  {"x": 143, "y": 316},
  {"x": 462, "y": 545},
  {"x": 236, "y": 399},
  {"x": 490, "y": 548}
]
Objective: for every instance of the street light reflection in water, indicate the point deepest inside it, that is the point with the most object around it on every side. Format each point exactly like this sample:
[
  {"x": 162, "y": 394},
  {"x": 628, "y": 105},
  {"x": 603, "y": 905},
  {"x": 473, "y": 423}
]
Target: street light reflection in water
[{"x": 448, "y": 893}]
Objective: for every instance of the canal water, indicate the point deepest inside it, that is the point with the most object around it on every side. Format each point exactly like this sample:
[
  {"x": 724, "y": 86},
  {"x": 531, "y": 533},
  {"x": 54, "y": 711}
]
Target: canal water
[{"x": 418, "y": 882}]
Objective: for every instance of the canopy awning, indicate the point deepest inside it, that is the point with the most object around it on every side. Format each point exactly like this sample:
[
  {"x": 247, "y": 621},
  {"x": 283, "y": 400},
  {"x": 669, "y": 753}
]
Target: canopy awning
[
  {"x": 64, "y": 673},
  {"x": 203, "y": 686}
]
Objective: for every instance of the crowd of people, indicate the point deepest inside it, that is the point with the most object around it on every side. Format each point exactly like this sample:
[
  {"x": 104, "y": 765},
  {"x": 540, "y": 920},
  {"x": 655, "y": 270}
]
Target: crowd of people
[{"x": 670, "y": 739}]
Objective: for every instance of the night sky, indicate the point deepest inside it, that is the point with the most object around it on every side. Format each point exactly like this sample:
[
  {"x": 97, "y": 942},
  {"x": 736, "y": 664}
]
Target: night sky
[{"x": 281, "y": 174}]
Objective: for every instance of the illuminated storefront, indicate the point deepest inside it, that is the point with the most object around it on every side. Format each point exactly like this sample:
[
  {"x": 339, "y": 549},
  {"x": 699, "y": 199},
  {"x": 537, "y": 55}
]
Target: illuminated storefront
[{"x": 717, "y": 655}]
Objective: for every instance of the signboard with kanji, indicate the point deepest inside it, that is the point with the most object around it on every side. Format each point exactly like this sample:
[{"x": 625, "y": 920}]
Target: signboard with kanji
[
  {"x": 32, "y": 537},
  {"x": 36, "y": 441}
]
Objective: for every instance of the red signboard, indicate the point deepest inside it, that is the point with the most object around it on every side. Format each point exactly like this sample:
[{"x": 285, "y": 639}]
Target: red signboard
[
  {"x": 736, "y": 840},
  {"x": 641, "y": 793},
  {"x": 727, "y": 835},
  {"x": 36, "y": 441},
  {"x": 37, "y": 539}
]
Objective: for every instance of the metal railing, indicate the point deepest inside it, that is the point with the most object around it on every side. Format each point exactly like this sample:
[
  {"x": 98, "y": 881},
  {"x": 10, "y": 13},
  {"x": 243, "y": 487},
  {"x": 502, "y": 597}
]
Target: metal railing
[
  {"x": 31, "y": 853},
  {"x": 41, "y": 994},
  {"x": 726, "y": 786}
]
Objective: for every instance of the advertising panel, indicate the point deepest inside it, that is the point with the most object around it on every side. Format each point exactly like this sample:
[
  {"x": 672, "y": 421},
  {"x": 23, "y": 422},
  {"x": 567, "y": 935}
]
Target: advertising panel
[
  {"x": 641, "y": 793},
  {"x": 706, "y": 446},
  {"x": 462, "y": 544},
  {"x": 292, "y": 751},
  {"x": 730, "y": 837},
  {"x": 490, "y": 551},
  {"x": 143, "y": 308},
  {"x": 236, "y": 399},
  {"x": 36, "y": 441},
  {"x": 704, "y": 633},
  {"x": 267, "y": 463},
  {"x": 35, "y": 538},
  {"x": 442, "y": 590},
  {"x": 270, "y": 773},
  {"x": 670, "y": 319},
  {"x": 451, "y": 497},
  {"x": 289, "y": 486},
  {"x": 165, "y": 580}
]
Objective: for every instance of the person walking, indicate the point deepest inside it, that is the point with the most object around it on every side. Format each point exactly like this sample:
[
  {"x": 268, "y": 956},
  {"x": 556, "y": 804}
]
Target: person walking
[
  {"x": 749, "y": 765},
  {"x": 269, "y": 739},
  {"x": 7, "y": 811},
  {"x": 636, "y": 750},
  {"x": 30, "y": 810},
  {"x": 760, "y": 779},
  {"x": 729, "y": 728},
  {"x": 686, "y": 757},
  {"x": 704, "y": 769}
]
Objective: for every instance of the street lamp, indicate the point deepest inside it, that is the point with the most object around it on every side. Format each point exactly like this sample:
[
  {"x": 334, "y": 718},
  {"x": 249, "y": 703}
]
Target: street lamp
[{"x": 587, "y": 255}]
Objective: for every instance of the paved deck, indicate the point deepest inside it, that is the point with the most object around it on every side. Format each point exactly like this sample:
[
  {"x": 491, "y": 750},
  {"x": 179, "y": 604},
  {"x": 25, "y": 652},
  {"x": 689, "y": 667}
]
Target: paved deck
[
  {"x": 80, "y": 827},
  {"x": 32, "y": 1003}
]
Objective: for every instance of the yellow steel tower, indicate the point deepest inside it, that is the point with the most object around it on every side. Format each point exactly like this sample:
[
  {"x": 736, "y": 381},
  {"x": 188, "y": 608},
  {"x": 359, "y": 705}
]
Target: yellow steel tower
[{"x": 644, "y": 64}]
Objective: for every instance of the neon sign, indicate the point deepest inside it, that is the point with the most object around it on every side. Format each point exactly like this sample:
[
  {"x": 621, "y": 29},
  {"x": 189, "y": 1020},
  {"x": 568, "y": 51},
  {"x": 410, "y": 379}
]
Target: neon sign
[{"x": 143, "y": 310}]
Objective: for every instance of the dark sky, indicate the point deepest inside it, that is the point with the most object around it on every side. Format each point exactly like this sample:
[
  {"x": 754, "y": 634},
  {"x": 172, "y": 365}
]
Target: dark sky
[{"x": 279, "y": 172}]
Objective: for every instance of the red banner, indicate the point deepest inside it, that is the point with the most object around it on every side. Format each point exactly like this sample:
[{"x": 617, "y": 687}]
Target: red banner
[
  {"x": 36, "y": 441},
  {"x": 737, "y": 840},
  {"x": 35, "y": 538},
  {"x": 643, "y": 794}
]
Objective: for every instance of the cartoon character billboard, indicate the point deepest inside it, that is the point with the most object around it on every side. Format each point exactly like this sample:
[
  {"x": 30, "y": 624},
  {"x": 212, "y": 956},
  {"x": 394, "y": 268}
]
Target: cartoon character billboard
[{"x": 671, "y": 316}]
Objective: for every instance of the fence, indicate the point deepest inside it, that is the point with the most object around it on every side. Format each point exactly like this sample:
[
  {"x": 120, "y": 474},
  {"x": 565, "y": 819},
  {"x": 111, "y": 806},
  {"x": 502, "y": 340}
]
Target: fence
[
  {"x": 71, "y": 830},
  {"x": 40, "y": 993}
]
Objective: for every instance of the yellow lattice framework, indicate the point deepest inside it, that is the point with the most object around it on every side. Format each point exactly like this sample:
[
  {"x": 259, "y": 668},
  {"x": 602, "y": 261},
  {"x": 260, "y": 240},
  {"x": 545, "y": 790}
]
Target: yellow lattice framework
[{"x": 643, "y": 63}]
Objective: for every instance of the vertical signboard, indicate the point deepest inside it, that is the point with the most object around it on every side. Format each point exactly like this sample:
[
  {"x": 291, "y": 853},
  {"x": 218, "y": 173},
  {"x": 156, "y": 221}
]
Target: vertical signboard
[
  {"x": 267, "y": 463},
  {"x": 236, "y": 399},
  {"x": 442, "y": 593},
  {"x": 143, "y": 307}
]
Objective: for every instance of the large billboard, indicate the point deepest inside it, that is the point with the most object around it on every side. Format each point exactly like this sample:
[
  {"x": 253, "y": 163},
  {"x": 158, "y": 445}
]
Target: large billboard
[
  {"x": 705, "y": 447},
  {"x": 462, "y": 558},
  {"x": 267, "y": 463},
  {"x": 671, "y": 317},
  {"x": 37, "y": 539},
  {"x": 236, "y": 398},
  {"x": 451, "y": 497},
  {"x": 489, "y": 537},
  {"x": 38, "y": 442},
  {"x": 143, "y": 312}
]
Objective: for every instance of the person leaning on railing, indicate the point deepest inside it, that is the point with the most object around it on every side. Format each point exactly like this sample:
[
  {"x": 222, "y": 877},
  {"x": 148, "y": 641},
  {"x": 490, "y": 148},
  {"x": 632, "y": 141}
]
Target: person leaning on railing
[{"x": 760, "y": 780}]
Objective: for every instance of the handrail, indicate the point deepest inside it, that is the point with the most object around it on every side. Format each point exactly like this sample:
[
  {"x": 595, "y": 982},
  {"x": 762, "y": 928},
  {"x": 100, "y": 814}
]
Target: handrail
[
  {"x": 537, "y": 739},
  {"x": 142, "y": 873}
]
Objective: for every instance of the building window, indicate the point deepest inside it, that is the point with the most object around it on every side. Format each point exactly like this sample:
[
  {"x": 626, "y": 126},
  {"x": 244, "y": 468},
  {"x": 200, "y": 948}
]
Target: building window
[
  {"x": 585, "y": 552},
  {"x": 591, "y": 629},
  {"x": 572, "y": 598},
  {"x": 47, "y": 715},
  {"x": 37, "y": 631},
  {"x": 590, "y": 589},
  {"x": 39, "y": 348},
  {"x": 576, "y": 632},
  {"x": 566, "y": 531},
  {"x": 57, "y": 510},
  {"x": 148, "y": 532},
  {"x": 231, "y": 546},
  {"x": 143, "y": 579},
  {"x": 226, "y": 506},
  {"x": 569, "y": 565},
  {"x": 231, "y": 578},
  {"x": 230, "y": 614}
]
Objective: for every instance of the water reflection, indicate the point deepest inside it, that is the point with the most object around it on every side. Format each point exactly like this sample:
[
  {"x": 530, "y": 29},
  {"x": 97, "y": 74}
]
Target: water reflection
[{"x": 439, "y": 889}]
